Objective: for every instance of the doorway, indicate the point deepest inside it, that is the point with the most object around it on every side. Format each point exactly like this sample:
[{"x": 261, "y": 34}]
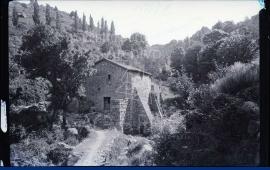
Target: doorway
[{"x": 107, "y": 103}]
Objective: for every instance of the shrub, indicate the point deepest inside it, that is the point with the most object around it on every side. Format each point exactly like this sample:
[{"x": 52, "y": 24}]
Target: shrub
[
  {"x": 240, "y": 76},
  {"x": 83, "y": 132},
  {"x": 17, "y": 133},
  {"x": 183, "y": 85},
  {"x": 201, "y": 98},
  {"x": 59, "y": 156},
  {"x": 30, "y": 152}
]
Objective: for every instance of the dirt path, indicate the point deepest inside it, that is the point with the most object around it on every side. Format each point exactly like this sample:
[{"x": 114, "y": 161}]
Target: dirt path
[{"x": 91, "y": 148}]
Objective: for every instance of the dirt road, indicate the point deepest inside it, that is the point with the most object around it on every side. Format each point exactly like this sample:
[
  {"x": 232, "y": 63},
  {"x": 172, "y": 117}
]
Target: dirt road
[{"x": 91, "y": 148}]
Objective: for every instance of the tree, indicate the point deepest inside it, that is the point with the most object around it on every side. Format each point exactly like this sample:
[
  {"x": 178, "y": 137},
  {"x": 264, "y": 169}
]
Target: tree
[
  {"x": 45, "y": 54},
  {"x": 102, "y": 26},
  {"x": 207, "y": 61},
  {"x": 105, "y": 29},
  {"x": 105, "y": 47},
  {"x": 36, "y": 17},
  {"x": 137, "y": 43},
  {"x": 48, "y": 15},
  {"x": 227, "y": 26},
  {"x": 58, "y": 25},
  {"x": 76, "y": 22},
  {"x": 112, "y": 30},
  {"x": 84, "y": 23},
  {"x": 190, "y": 61},
  {"x": 176, "y": 58},
  {"x": 214, "y": 36},
  {"x": 98, "y": 25},
  {"x": 236, "y": 48},
  {"x": 127, "y": 46},
  {"x": 15, "y": 17},
  {"x": 91, "y": 23},
  {"x": 218, "y": 26}
]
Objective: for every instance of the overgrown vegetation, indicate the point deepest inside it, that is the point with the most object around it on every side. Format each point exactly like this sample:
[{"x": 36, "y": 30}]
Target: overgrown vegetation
[
  {"x": 218, "y": 85},
  {"x": 213, "y": 119}
]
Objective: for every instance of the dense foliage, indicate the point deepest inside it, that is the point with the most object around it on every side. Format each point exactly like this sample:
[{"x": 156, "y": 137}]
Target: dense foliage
[
  {"x": 217, "y": 82},
  {"x": 212, "y": 118}
]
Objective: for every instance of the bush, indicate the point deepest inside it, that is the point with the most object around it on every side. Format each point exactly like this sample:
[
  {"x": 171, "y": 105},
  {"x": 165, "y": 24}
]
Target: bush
[
  {"x": 59, "y": 156},
  {"x": 17, "y": 133},
  {"x": 182, "y": 85},
  {"x": 30, "y": 152},
  {"x": 239, "y": 77},
  {"x": 83, "y": 132},
  {"x": 202, "y": 98}
]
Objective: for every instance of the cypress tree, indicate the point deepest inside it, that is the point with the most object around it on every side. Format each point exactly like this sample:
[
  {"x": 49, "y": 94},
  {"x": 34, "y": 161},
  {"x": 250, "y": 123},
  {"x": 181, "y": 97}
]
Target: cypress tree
[
  {"x": 91, "y": 23},
  {"x": 35, "y": 16},
  {"x": 102, "y": 26},
  {"x": 76, "y": 22},
  {"x": 58, "y": 25},
  {"x": 48, "y": 15},
  {"x": 112, "y": 31},
  {"x": 98, "y": 25},
  {"x": 106, "y": 29},
  {"x": 84, "y": 23}
]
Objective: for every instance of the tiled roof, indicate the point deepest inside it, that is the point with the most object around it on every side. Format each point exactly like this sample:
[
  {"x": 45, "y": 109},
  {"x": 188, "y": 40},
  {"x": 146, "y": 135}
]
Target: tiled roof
[{"x": 127, "y": 67}]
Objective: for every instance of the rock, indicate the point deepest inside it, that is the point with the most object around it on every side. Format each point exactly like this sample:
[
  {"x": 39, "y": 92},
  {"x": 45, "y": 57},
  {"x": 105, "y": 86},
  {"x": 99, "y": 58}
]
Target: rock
[
  {"x": 84, "y": 132},
  {"x": 72, "y": 131},
  {"x": 72, "y": 159},
  {"x": 60, "y": 154},
  {"x": 64, "y": 146},
  {"x": 71, "y": 136}
]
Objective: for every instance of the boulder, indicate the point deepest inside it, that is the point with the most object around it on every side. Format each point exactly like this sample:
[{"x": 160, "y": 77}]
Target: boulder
[
  {"x": 72, "y": 159},
  {"x": 71, "y": 136},
  {"x": 72, "y": 132},
  {"x": 84, "y": 132},
  {"x": 60, "y": 154}
]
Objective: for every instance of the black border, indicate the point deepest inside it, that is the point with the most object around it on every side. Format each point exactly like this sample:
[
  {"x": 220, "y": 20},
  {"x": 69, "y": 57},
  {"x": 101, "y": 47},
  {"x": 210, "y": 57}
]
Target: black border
[
  {"x": 264, "y": 27},
  {"x": 4, "y": 140}
]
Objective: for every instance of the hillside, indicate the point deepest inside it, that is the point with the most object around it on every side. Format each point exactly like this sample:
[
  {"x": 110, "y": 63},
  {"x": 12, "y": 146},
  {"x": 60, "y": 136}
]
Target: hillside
[{"x": 208, "y": 86}]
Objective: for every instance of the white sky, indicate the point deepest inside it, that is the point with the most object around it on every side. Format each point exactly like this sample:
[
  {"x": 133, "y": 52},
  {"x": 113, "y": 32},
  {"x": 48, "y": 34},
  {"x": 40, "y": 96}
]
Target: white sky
[{"x": 160, "y": 21}]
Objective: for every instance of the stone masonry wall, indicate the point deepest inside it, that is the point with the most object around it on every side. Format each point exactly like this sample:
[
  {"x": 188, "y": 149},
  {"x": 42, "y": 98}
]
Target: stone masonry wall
[{"x": 136, "y": 120}]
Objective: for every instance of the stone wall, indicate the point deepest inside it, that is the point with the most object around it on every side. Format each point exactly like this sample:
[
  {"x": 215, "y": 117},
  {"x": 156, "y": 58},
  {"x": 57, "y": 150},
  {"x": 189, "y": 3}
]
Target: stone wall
[
  {"x": 99, "y": 86},
  {"x": 136, "y": 120},
  {"x": 118, "y": 112},
  {"x": 142, "y": 84},
  {"x": 129, "y": 92}
]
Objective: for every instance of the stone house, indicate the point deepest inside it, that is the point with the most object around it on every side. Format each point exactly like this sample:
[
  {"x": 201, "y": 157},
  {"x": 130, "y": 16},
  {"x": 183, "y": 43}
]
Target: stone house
[{"x": 123, "y": 92}]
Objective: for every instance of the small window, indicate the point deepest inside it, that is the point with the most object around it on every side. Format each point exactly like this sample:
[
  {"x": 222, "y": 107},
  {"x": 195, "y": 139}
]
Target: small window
[
  {"x": 141, "y": 74},
  {"x": 98, "y": 89},
  {"x": 109, "y": 77}
]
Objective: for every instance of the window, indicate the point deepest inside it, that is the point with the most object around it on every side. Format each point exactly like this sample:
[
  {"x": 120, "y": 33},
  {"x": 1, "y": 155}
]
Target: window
[
  {"x": 107, "y": 103},
  {"x": 109, "y": 77},
  {"x": 141, "y": 74},
  {"x": 98, "y": 89}
]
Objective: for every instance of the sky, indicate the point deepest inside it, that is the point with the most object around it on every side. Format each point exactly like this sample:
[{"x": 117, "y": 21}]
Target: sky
[{"x": 160, "y": 21}]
